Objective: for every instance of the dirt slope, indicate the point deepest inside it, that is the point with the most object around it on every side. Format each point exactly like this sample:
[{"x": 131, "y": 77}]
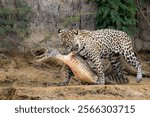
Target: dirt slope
[{"x": 20, "y": 78}]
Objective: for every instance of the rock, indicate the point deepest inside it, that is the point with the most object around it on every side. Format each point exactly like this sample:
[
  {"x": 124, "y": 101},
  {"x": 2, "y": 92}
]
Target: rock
[
  {"x": 145, "y": 35},
  {"x": 138, "y": 44},
  {"x": 50, "y": 15},
  {"x": 147, "y": 45}
]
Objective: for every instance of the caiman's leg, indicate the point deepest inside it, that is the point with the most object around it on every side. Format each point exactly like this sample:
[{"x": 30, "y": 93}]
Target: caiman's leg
[
  {"x": 68, "y": 76},
  {"x": 118, "y": 71}
]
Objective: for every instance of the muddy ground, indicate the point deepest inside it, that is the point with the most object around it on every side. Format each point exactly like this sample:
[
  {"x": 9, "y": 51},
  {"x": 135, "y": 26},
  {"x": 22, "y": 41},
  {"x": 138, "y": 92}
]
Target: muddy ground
[{"x": 22, "y": 78}]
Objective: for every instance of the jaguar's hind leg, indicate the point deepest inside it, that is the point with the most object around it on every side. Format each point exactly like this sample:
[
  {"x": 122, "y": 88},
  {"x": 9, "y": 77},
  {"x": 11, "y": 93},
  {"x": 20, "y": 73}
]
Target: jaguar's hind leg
[{"x": 130, "y": 57}]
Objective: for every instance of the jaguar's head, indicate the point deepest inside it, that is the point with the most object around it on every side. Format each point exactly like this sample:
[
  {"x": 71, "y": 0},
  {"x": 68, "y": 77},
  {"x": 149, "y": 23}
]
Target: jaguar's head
[{"x": 67, "y": 36}]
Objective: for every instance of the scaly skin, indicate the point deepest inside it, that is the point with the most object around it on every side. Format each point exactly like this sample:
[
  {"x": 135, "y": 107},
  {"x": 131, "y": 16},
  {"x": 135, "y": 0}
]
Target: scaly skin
[{"x": 78, "y": 66}]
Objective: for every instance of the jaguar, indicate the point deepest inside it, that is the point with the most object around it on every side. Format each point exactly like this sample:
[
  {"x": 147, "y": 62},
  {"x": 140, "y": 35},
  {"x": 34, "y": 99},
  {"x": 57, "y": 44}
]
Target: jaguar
[{"x": 101, "y": 44}]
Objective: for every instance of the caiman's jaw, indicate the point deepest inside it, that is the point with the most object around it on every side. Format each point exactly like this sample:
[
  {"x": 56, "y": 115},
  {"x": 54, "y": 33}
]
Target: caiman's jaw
[
  {"x": 50, "y": 53},
  {"x": 42, "y": 57}
]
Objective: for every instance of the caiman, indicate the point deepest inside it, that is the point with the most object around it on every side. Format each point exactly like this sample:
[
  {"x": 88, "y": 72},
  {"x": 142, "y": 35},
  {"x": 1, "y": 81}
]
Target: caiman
[{"x": 78, "y": 65}]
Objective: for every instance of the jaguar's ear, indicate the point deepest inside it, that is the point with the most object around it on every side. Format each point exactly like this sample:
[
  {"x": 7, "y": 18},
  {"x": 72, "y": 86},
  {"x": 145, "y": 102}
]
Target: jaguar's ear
[
  {"x": 59, "y": 31},
  {"x": 75, "y": 32}
]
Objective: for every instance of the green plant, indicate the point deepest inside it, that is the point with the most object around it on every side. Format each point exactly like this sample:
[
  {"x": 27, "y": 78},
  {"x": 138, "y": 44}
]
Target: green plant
[
  {"x": 117, "y": 14},
  {"x": 14, "y": 20}
]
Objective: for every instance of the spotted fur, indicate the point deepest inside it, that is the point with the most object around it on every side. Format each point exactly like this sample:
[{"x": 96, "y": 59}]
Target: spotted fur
[{"x": 102, "y": 44}]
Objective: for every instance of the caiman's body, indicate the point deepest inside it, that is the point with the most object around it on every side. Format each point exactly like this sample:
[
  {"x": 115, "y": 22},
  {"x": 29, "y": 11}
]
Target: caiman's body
[
  {"x": 81, "y": 68},
  {"x": 78, "y": 66}
]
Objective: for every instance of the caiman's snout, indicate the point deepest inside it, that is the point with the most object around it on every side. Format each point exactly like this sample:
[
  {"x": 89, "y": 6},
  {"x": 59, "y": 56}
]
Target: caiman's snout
[
  {"x": 40, "y": 58},
  {"x": 50, "y": 53}
]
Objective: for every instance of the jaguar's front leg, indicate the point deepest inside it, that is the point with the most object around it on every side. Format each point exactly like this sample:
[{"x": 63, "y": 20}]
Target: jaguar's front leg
[{"x": 100, "y": 70}]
